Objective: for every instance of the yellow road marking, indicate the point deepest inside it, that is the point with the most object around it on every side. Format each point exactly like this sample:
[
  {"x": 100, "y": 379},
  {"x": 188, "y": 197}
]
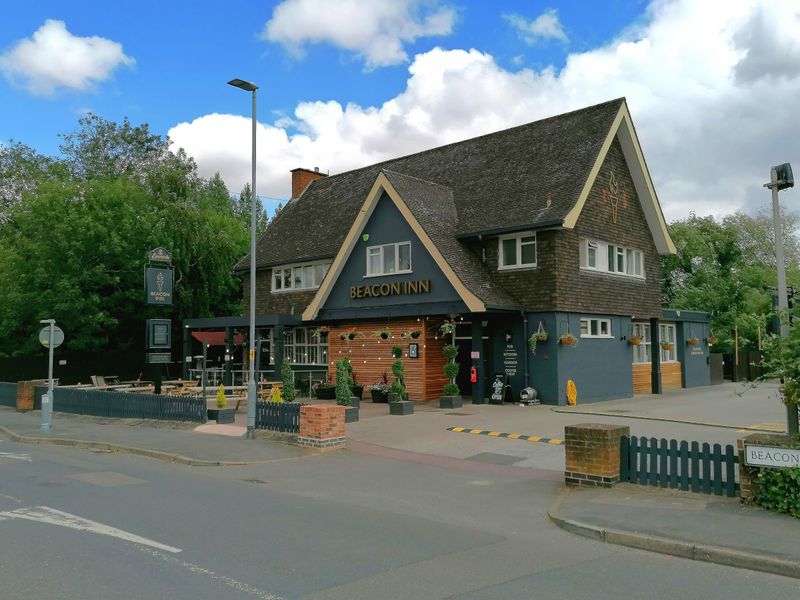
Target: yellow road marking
[
  {"x": 514, "y": 436},
  {"x": 459, "y": 429},
  {"x": 534, "y": 438},
  {"x": 494, "y": 433},
  {"x": 555, "y": 442},
  {"x": 475, "y": 430}
]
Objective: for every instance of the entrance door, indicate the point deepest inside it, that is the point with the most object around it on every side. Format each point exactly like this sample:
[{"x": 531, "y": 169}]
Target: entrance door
[{"x": 465, "y": 361}]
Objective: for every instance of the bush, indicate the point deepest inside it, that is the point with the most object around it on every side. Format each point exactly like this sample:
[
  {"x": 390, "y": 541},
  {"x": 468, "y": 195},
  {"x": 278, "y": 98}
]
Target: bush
[
  {"x": 779, "y": 490},
  {"x": 287, "y": 377},
  {"x": 450, "y": 351},
  {"x": 451, "y": 370},
  {"x": 399, "y": 385},
  {"x": 397, "y": 351},
  {"x": 222, "y": 401},
  {"x": 343, "y": 391},
  {"x": 451, "y": 389},
  {"x": 276, "y": 396}
]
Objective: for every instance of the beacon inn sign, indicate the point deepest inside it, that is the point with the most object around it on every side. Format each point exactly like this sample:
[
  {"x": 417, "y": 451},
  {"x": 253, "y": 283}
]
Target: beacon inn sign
[
  {"x": 767, "y": 456},
  {"x": 422, "y": 286}
]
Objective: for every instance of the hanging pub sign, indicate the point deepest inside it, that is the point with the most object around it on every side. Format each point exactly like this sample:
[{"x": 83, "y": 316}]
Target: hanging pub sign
[
  {"x": 160, "y": 255},
  {"x": 158, "y": 283}
]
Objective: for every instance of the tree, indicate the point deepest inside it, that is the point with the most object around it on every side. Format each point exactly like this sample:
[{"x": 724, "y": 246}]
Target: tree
[
  {"x": 22, "y": 169},
  {"x": 242, "y": 210}
]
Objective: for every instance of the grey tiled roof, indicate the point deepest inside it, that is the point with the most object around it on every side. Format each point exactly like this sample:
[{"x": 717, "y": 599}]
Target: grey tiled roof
[{"x": 497, "y": 181}]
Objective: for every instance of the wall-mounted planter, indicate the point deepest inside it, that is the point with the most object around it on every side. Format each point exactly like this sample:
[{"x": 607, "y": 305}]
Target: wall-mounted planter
[
  {"x": 451, "y": 402},
  {"x": 402, "y": 407},
  {"x": 222, "y": 415}
]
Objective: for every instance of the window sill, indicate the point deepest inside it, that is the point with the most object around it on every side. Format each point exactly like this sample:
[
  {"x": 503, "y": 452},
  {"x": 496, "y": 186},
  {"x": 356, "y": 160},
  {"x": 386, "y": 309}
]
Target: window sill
[
  {"x": 388, "y": 274},
  {"x": 598, "y": 337},
  {"x": 518, "y": 267},
  {"x": 612, "y": 274},
  {"x": 278, "y": 292}
]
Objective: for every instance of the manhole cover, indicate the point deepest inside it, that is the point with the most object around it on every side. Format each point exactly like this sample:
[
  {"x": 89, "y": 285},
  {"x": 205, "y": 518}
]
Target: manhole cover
[
  {"x": 459, "y": 414},
  {"x": 254, "y": 481}
]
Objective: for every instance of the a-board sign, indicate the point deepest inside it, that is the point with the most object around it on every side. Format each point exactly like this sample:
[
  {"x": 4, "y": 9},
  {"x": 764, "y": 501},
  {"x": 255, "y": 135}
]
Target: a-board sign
[
  {"x": 769, "y": 456},
  {"x": 158, "y": 358},
  {"x": 58, "y": 337}
]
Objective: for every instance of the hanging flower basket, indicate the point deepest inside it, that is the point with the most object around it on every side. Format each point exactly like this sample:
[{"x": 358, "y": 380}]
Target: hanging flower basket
[
  {"x": 319, "y": 331},
  {"x": 448, "y": 327},
  {"x": 693, "y": 341},
  {"x": 383, "y": 334},
  {"x": 567, "y": 339},
  {"x": 635, "y": 340},
  {"x": 666, "y": 346},
  {"x": 351, "y": 334},
  {"x": 414, "y": 333},
  {"x": 713, "y": 340}
]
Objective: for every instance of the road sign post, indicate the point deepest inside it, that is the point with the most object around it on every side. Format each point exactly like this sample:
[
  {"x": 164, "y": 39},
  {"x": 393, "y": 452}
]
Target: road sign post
[{"x": 51, "y": 337}]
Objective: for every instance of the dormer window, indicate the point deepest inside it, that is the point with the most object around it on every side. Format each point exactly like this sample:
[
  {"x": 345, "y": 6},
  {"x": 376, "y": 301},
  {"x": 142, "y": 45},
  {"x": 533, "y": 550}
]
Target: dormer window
[
  {"x": 389, "y": 259},
  {"x": 517, "y": 251},
  {"x": 292, "y": 278}
]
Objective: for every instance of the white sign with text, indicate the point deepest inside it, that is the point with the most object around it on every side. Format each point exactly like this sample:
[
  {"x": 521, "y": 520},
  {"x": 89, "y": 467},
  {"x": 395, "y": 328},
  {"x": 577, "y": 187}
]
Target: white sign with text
[{"x": 769, "y": 456}]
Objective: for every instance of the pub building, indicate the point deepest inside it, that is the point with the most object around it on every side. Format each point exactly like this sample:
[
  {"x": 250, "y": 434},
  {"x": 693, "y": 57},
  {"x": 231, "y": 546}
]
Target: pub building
[{"x": 550, "y": 228}]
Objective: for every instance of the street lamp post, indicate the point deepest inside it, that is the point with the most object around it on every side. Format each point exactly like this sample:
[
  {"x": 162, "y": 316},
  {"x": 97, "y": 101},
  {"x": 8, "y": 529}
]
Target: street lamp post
[
  {"x": 251, "y": 382},
  {"x": 780, "y": 179}
]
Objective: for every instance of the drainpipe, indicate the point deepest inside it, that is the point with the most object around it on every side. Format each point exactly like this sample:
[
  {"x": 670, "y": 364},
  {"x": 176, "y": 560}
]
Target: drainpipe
[{"x": 525, "y": 345}]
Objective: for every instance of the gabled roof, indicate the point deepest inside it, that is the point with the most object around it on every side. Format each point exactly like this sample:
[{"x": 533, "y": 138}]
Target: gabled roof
[{"x": 498, "y": 182}]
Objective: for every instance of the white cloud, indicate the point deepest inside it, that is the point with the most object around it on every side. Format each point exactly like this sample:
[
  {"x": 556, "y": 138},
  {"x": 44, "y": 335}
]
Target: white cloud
[
  {"x": 374, "y": 29},
  {"x": 545, "y": 26},
  {"x": 52, "y": 57},
  {"x": 710, "y": 123}
]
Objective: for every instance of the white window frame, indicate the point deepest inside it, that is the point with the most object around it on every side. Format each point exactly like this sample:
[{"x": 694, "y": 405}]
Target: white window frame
[
  {"x": 642, "y": 354},
  {"x": 380, "y": 251},
  {"x": 519, "y": 264},
  {"x": 598, "y": 325},
  {"x": 295, "y": 269},
  {"x": 300, "y": 346},
  {"x": 613, "y": 259},
  {"x": 667, "y": 333}
]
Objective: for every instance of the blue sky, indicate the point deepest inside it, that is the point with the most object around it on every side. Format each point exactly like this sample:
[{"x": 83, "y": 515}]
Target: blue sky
[{"x": 162, "y": 64}]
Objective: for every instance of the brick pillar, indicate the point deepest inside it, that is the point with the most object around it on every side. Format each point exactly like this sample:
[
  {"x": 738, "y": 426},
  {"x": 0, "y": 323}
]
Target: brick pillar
[
  {"x": 746, "y": 488},
  {"x": 322, "y": 427},
  {"x": 748, "y": 483},
  {"x": 26, "y": 393},
  {"x": 592, "y": 454}
]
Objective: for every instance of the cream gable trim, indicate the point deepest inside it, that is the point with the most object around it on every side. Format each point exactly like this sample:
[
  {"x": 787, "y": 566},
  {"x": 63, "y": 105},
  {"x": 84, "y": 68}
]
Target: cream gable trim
[
  {"x": 474, "y": 304},
  {"x": 622, "y": 127}
]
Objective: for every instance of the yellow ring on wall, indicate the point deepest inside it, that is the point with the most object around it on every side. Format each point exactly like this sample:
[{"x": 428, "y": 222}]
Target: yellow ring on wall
[{"x": 572, "y": 393}]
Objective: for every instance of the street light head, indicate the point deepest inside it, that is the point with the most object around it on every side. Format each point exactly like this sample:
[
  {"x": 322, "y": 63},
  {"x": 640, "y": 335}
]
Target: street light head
[
  {"x": 783, "y": 176},
  {"x": 243, "y": 85}
]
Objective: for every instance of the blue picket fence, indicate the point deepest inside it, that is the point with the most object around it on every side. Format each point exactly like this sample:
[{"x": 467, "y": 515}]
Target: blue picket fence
[
  {"x": 679, "y": 465},
  {"x": 121, "y": 405},
  {"x": 278, "y": 416},
  {"x": 8, "y": 394}
]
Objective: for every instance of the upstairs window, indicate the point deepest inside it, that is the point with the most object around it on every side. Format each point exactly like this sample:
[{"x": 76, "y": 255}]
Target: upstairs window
[
  {"x": 596, "y": 328},
  {"x": 389, "y": 259},
  {"x": 298, "y": 277},
  {"x": 518, "y": 251},
  {"x": 611, "y": 258}
]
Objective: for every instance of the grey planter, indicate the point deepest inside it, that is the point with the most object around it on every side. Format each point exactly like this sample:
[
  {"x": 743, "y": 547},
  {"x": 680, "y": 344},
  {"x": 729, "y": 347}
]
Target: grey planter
[
  {"x": 451, "y": 402},
  {"x": 222, "y": 415},
  {"x": 355, "y": 401},
  {"x": 402, "y": 407},
  {"x": 393, "y": 397},
  {"x": 350, "y": 414}
]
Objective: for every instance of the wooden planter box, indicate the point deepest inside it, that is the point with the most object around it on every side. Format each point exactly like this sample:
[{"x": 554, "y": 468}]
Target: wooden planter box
[
  {"x": 222, "y": 415},
  {"x": 402, "y": 407},
  {"x": 451, "y": 402},
  {"x": 326, "y": 393},
  {"x": 379, "y": 397}
]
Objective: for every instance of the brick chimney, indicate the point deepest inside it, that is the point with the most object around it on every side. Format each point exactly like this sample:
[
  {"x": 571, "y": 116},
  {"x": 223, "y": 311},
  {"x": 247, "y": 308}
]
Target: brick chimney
[{"x": 302, "y": 177}]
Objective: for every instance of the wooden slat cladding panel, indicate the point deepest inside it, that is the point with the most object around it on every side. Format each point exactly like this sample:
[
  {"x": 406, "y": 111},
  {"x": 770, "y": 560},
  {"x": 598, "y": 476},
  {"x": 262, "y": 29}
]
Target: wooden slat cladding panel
[
  {"x": 642, "y": 383},
  {"x": 671, "y": 376},
  {"x": 372, "y": 357}
]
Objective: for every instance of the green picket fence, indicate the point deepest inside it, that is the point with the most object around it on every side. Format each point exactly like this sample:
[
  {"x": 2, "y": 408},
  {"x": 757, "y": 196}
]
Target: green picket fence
[
  {"x": 679, "y": 465},
  {"x": 121, "y": 405},
  {"x": 8, "y": 394}
]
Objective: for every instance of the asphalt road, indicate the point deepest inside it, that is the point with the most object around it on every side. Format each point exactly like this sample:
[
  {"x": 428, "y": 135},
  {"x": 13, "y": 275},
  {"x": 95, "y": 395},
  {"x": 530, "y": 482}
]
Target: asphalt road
[{"x": 80, "y": 525}]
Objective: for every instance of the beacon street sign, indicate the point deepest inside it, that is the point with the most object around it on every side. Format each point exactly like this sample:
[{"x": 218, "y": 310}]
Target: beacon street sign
[{"x": 770, "y": 456}]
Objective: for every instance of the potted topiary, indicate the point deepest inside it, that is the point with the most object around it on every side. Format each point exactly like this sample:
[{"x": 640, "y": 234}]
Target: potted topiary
[
  {"x": 451, "y": 395},
  {"x": 287, "y": 378},
  {"x": 221, "y": 414},
  {"x": 356, "y": 389},
  {"x": 325, "y": 391},
  {"x": 343, "y": 393},
  {"x": 567, "y": 339},
  {"x": 398, "y": 397}
]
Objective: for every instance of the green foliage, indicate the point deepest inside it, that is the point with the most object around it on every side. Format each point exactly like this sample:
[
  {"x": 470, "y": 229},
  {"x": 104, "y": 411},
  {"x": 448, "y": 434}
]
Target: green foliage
[
  {"x": 75, "y": 233},
  {"x": 399, "y": 384},
  {"x": 287, "y": 378},
  {"x": 343, "y": 383},
  {"x": 397, "y": 351},
  {"x": 451, "y": 370},
  {"x": 450, "y": 351},
  {"x": 779, "y": 489},
  {"x": 781, "y": 360},
  {"x": 243, "y": 209},
  {"x": 222, "y": 401},
  {"x": 724, "y": 267},
  {"x": 276, "y": 396},
  {"x": 451, "y": 389}
]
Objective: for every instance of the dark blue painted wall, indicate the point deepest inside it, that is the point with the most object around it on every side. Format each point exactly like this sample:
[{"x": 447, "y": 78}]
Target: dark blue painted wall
[
  {"x": 544, "y": 362},
  {"x": 694, "y": 359},
  {"x": 387, "y": 225},
  {"x": 508, "y": 351}
]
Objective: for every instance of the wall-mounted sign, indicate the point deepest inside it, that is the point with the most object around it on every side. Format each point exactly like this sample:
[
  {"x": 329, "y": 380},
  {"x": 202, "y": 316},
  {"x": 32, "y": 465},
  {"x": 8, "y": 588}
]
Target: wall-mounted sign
[
  {"x": 158, "y": 358},
  {"x": 510, "y": 360},
  {"x": 413, "y": 351},
  {"x": 158, "y": 283},
  {"x": 769, "y": 456},
  {"x": 160, "y": 255},
  {"x": 475, "y": 355},
  {"x": 422, "y": 286},
  {"x": 159, "y": 333}
]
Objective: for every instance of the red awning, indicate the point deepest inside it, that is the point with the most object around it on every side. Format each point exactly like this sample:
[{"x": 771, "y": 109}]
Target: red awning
[{"x": 216, "y": 338}]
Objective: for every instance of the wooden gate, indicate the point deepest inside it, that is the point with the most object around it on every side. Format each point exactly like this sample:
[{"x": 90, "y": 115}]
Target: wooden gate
[{"x": 679, "y": 465}]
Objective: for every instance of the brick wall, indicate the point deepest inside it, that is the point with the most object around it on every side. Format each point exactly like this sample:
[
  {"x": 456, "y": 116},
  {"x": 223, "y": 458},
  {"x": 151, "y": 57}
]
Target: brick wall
[
  {"x": 322, "y": 427},
  {"x": 267, "y": 303},
  {"x": 591, "y": 454}
]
